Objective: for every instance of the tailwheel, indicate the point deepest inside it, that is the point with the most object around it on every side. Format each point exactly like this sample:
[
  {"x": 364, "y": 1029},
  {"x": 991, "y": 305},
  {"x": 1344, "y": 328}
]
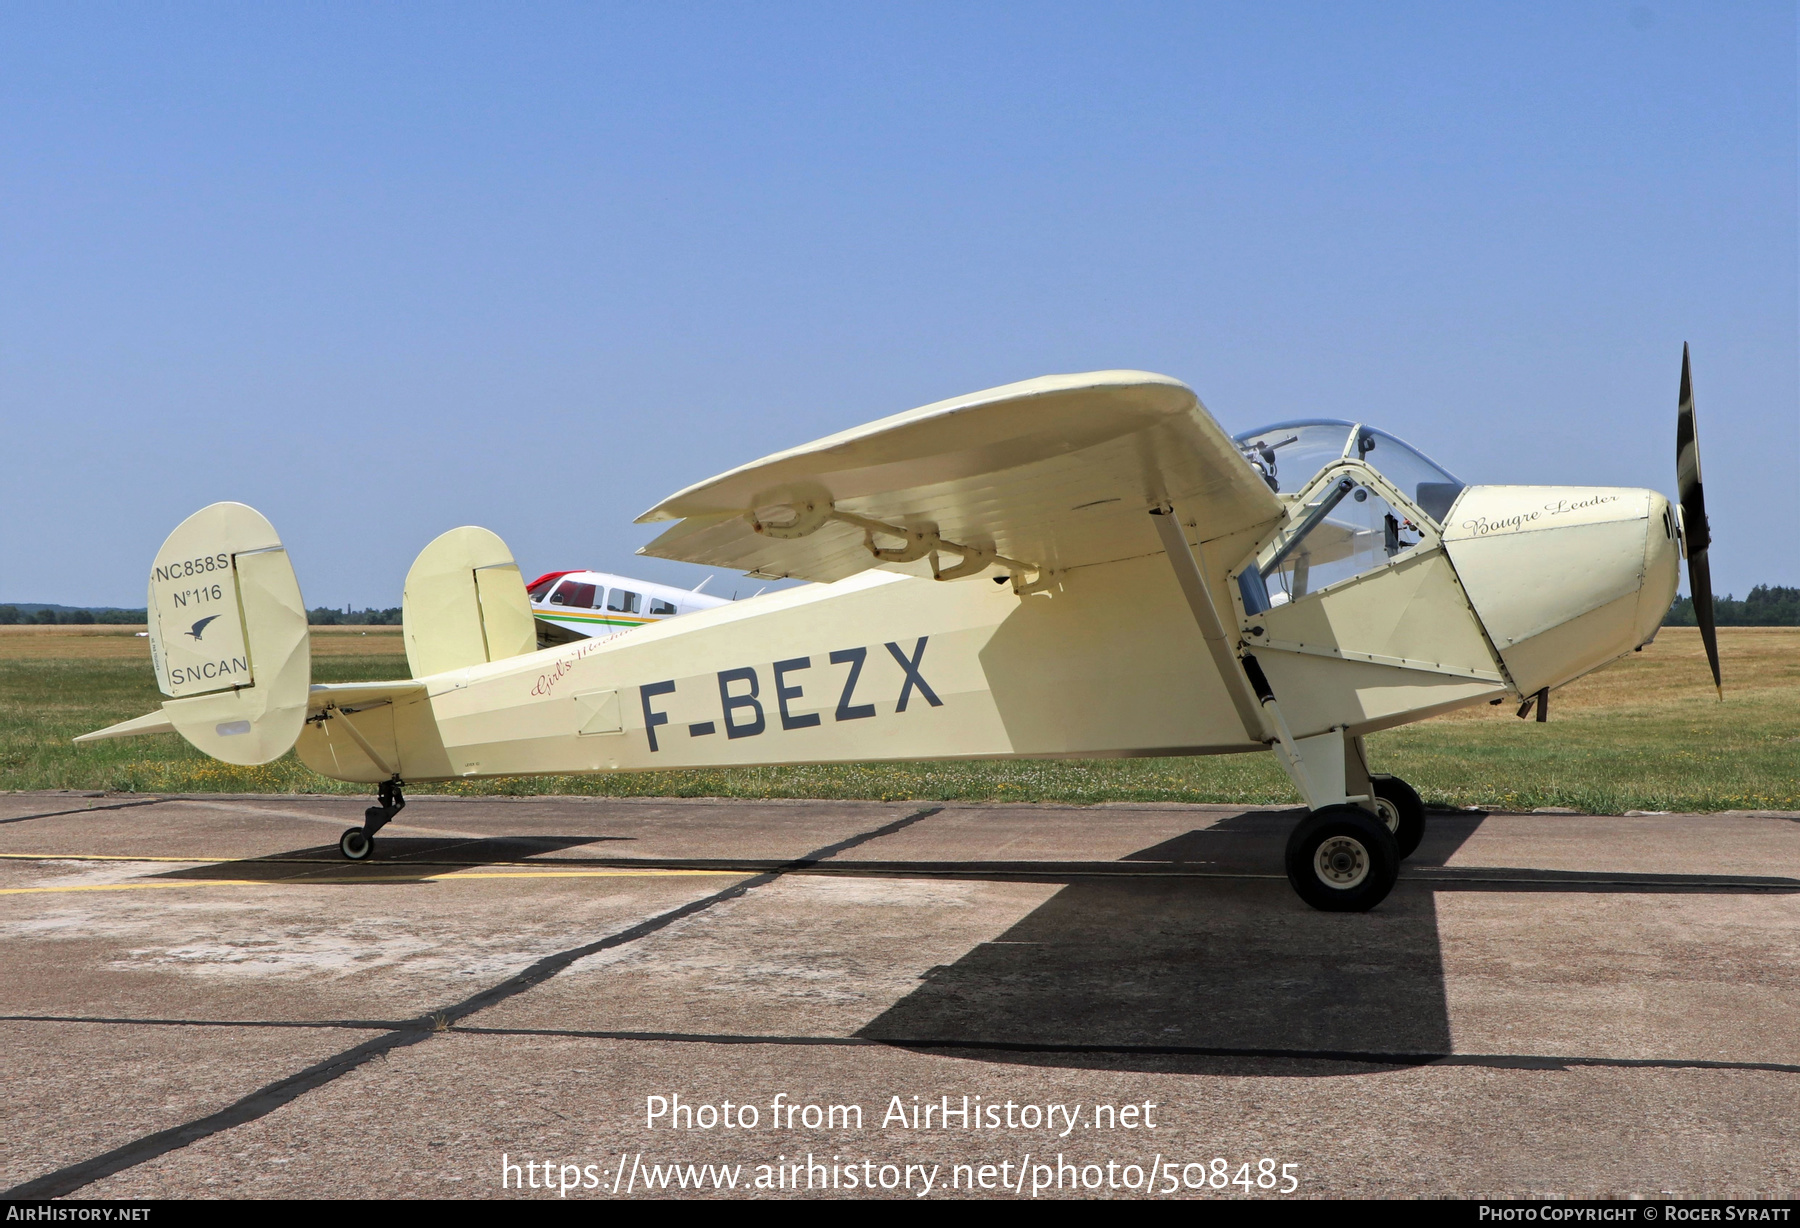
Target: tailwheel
[
  {"x": 1342, "y": 859},
  {"x": 1397, "y": 804},
  {"x": 356, "y": 844}
]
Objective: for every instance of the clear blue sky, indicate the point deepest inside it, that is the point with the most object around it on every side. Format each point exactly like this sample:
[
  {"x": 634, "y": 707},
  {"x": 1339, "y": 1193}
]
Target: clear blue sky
[{"x": 380, "y": 270}]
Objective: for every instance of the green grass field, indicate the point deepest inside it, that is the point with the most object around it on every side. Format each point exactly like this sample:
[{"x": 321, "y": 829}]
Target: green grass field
[{"x": 1644, "y": 734}]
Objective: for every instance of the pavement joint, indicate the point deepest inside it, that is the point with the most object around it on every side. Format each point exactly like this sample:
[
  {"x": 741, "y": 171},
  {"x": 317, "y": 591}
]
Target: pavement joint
[
  {"x": 1500, "y": 1061},
  {"x": 1469, "y": 877},
  {"x": 1495, "y": 1061},
  {"x": 360, "y": 1025}
]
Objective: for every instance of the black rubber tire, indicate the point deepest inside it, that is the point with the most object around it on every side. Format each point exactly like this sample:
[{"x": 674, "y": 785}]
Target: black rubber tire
[
  {"x": 1410, "y": 828},
  {"x": 356, "y": 845},
  {"x": 1358, "y": 844}
]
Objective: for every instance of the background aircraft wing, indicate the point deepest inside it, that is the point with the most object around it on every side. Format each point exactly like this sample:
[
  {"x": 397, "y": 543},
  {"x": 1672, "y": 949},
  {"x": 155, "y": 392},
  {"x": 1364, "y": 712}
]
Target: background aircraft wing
[{"x": 1057, "y": 472}]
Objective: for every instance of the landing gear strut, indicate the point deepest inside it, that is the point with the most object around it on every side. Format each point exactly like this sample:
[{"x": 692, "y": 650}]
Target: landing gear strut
[{"x": 358, "y": 843}]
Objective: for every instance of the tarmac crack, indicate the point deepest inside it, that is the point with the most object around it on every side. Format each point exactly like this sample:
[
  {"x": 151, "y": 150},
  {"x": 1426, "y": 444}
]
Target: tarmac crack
[
  {"x": 267, "y": 1099},
  {"x": 55, "y": 814}
]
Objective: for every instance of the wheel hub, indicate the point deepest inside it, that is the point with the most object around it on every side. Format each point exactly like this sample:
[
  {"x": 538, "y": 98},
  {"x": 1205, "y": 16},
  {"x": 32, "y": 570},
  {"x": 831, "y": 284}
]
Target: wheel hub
[
  {"x": 1341, "y": 862},
  {"x": 1388, "y": 813}
]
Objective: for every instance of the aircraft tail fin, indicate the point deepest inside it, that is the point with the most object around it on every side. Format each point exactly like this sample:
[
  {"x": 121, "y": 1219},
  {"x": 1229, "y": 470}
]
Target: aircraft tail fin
[
  {"x": 465, "y": 604},
  {"x": 228, "y": 639}
]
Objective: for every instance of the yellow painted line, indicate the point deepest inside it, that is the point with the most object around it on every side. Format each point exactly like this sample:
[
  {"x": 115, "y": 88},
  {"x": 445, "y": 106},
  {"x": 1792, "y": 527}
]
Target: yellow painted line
[
  {"x": 339, "y": 865},
  {"x": 458, "y": 874},
  {"x": 453, "y": 876},
  {"x": 205, "y": 861},
  {"x": 200, "y": 882}
]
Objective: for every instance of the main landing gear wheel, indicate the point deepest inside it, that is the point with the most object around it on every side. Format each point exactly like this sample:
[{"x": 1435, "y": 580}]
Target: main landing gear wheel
[
  {"x": 1342, "y": 859},
  {"x": 356, "y": 844},
  {"x": 1398, "y": 806}
]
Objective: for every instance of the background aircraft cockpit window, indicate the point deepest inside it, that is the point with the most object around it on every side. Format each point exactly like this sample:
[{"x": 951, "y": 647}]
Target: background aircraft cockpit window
[
  {"x": 622, "y": 601},
  {"x": 572, "y": 593},
  {"x": 536, "y": 592},
  {"x": 1289, "y": 454},
  {"x": 1430, "y": 486},
  {"x": 659, "y": 606}
]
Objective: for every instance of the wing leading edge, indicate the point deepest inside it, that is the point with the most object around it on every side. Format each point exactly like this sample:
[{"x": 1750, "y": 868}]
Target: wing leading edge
[{"x": 1034, "y": 478}]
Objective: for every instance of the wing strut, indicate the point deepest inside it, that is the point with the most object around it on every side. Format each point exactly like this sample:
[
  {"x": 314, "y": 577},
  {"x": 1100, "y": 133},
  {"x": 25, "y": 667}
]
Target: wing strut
[
  {"x": 343, "y": 714},
  {"x": 1199, "y": 599}
]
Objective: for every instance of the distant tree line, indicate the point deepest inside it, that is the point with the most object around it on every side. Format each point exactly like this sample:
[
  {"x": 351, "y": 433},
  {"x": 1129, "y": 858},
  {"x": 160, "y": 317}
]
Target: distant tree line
[
  {"x": 1768, "y": 605},
  {"x": 323, "y": 617},
  {"x": 49, "y": 616}
]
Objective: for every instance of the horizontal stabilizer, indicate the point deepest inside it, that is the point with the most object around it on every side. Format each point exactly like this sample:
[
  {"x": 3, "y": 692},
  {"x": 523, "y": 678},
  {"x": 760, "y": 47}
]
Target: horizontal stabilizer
[
  {"x": 151, "y": 722},
  {"x": 361, "y": 694}
]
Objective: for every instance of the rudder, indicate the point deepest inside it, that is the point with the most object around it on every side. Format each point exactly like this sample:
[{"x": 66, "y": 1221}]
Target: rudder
[{"x": 465, "y": 604}]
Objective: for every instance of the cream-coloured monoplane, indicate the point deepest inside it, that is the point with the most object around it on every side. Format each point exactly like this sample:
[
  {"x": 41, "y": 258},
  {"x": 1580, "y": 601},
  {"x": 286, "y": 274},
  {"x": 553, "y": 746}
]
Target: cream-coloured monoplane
[{"x": 1077, "y": 565}]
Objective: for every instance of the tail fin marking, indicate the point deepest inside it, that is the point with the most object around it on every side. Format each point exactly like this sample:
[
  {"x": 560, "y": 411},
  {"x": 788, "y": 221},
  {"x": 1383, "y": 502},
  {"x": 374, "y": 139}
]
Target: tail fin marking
[{"x": 228, "y": 637}]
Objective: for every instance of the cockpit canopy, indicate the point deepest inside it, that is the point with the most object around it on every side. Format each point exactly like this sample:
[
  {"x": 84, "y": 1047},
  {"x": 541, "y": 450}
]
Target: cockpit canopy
[
  {"x": 1348, "y": 528},
  {"x": 1290, "y": 454}
]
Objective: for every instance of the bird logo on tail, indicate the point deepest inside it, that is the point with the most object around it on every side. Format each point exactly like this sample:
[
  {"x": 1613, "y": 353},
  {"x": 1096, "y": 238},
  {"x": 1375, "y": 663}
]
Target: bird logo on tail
[{"x": 200, "y": 627}]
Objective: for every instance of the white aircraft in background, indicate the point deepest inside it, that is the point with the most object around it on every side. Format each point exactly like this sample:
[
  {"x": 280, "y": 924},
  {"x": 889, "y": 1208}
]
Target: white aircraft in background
[{"x": 572, "y": 605}]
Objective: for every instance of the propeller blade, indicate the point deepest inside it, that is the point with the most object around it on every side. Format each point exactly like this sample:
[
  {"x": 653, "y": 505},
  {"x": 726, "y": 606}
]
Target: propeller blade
[{"x": 1695, "y": 529}]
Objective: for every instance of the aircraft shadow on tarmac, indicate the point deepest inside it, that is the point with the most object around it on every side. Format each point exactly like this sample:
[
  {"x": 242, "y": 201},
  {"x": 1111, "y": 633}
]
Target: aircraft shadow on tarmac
[
  {"x": 398, "y": 859},
  {"x": 1160, "y": 972},
  {"x": 1150, "y": 972}
]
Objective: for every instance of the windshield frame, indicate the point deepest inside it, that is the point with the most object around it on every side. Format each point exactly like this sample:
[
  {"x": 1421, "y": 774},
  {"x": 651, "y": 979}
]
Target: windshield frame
[
  {"x": 1359, "y": 440},
  {"x": 1253, "y": 592}
]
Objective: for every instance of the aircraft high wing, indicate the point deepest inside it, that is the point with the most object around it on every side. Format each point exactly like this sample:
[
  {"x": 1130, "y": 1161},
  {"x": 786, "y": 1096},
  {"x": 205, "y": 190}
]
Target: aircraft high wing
[
  {"x": 1032, "y": 478},
  {"x": 1077, "y": 565}
]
